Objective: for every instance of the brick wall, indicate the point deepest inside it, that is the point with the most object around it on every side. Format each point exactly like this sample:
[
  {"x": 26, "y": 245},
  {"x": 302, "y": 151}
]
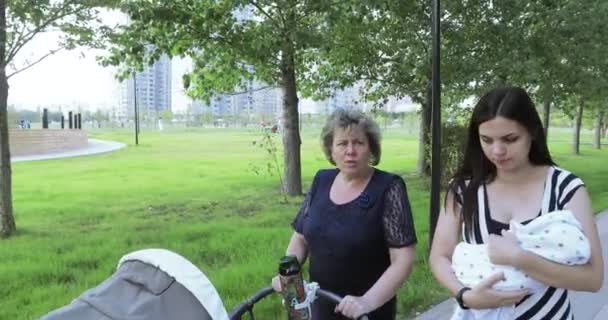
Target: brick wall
[{"x": 41, "y": 141}]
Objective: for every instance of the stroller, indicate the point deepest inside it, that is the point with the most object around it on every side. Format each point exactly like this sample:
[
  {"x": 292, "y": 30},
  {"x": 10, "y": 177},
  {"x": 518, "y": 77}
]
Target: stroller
[{"x": 157, "y": 284}]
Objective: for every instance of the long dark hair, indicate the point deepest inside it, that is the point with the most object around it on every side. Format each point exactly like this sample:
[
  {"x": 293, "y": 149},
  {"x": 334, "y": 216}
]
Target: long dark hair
[{"x": 509, "y": 102}]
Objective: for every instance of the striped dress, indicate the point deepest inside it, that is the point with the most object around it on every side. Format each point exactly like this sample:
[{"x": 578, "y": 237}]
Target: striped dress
[{"x": 553, "y": 303}]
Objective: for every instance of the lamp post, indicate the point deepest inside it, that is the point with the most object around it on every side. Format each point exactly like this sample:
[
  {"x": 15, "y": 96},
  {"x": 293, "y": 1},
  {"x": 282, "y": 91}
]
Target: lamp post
[
  {"x": 435, "y": 120},
  {"x": 136, "y": 118}
]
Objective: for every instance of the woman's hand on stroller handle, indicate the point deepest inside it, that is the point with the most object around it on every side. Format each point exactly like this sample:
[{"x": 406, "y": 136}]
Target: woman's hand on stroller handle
[
  {"x": 353, "y": 307},
  {"x": 276, "y": 283},
  {"x": 247, "y": 306},
  {"x": 330, "y": 296}
]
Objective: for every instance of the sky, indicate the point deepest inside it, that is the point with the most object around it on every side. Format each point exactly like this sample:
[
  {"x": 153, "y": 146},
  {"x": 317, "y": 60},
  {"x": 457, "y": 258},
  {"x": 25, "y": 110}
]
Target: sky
[
  {"x": 75, "y": 78},
  {"x": 63, "y": 78}
]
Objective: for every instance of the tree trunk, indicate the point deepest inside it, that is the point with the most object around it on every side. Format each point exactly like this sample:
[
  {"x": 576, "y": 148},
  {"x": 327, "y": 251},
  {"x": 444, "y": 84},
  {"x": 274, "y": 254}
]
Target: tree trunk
[
  {"x": 291, "y": 131},
  {"x": 597, "y": 141},
  {"x": 547, "y": 100},
  {"x": 604, "y": 124},
  {"x": 7, "y": 221},
  {"x": 577, "y": 128},
  {"x": 423, "y": 166}
]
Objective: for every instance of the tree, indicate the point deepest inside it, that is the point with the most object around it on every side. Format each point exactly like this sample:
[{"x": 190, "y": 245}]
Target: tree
[
  {"x": 232, "y": 42},
  {"x": 604, "y": 125},
  {"x": 166, "y": 115},
  {"x": 578, "y": 118},
  {"x": 554, "y": 49},
  {"x": 99, "y": 116},
  {"x": 588, "y": 61},
  {"x": 531, "y": 44},
  {"x": 20, "y": 22},
  {"x": 55, "y": 116},
  {"x": 598, "y": 126},
  {"x": 546, "y": 70},
  {"x": 386, "y": 45}
]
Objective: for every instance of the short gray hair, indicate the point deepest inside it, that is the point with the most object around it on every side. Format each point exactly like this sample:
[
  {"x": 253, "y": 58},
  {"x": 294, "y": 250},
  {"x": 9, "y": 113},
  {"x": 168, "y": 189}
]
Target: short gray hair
[{"x": 344, "y": 118}]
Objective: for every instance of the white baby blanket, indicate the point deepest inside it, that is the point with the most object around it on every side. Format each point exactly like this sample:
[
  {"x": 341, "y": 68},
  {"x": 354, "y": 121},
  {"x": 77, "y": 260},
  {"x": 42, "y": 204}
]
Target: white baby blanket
[{"x": 556, "y": 236}]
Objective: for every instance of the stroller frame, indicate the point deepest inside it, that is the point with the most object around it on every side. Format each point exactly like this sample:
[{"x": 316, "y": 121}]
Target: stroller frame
[{"x": 247, "y": 306}]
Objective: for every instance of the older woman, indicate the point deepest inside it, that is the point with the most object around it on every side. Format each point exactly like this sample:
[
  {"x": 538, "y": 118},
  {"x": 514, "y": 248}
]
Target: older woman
[{"x": 355, "y": 223}]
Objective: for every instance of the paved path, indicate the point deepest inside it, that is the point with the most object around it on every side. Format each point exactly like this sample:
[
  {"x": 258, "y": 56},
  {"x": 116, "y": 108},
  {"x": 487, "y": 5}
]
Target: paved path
[
  {"x": 595, "y": 305},
  {"x": 586, "y": 305},
  {"x": 93, "y": 147}
]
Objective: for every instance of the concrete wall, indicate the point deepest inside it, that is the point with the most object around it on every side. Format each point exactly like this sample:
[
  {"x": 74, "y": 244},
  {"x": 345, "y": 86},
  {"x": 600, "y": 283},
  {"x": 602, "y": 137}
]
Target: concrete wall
[{"x": 41, "y": 141}]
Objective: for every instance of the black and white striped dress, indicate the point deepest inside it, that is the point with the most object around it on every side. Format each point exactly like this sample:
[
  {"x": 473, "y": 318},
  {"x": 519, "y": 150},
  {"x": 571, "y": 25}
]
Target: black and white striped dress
[{"x": 553, "y": 303}]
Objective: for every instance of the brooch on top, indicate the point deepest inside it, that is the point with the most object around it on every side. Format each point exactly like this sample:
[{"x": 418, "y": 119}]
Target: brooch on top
[{"x": 364, "y": 201}]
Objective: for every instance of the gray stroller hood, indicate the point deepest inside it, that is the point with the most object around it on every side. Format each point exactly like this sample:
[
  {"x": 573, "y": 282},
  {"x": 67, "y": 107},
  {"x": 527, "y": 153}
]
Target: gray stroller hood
[{"x": 151, "y": 284}]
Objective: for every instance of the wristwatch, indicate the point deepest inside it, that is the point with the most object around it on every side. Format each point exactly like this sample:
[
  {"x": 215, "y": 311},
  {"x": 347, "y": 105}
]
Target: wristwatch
[{"x": 458, "y": 297}]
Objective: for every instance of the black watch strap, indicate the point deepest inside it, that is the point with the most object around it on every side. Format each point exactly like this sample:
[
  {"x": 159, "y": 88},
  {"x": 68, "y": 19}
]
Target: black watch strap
[{"x": 459, "y": 297}]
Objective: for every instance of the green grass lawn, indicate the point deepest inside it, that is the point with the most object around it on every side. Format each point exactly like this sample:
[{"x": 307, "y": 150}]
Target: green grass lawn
[{"x": 192, "y": 192}]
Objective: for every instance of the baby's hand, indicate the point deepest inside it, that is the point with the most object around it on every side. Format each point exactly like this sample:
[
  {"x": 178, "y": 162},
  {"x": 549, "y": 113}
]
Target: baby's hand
[{"x": 505, "y": 249}]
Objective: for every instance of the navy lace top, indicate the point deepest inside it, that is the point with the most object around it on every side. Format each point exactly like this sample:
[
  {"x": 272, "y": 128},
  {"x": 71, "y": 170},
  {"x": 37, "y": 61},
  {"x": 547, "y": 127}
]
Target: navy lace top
[{"x": 348, "y": 243}]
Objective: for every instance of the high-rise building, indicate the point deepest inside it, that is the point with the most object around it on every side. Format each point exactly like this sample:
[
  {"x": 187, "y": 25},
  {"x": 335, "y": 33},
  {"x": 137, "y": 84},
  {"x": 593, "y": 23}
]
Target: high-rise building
[
  {"x": 153, "y": 87},
  {"x": 252, "y": 100},
  {"x": 347, "y": 98},
  {"x": 221, "y": 105},
  {"x": 268, "y": 102}
]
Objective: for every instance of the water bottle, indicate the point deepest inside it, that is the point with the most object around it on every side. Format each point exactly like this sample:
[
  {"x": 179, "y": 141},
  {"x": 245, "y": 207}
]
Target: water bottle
[{"x": 292, "y": 287}]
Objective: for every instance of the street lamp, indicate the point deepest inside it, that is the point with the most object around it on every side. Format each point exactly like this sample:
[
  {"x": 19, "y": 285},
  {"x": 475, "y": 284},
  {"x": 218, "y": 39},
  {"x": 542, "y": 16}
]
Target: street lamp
[
  {"x": 136, "y": 118},
  {"x": 435, "y": 121}
]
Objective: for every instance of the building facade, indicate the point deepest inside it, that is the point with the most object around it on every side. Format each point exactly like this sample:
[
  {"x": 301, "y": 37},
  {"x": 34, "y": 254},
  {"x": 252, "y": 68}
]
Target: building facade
[{"x": 151, "y": 88}]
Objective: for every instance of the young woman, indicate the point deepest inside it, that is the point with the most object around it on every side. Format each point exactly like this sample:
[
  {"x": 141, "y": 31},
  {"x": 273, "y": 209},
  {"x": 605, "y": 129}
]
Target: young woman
[{"x": 508, "y": 174}]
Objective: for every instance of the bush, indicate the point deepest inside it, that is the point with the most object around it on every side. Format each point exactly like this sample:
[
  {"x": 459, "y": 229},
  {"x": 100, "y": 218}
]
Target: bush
[{"x": 453, "y": 144}]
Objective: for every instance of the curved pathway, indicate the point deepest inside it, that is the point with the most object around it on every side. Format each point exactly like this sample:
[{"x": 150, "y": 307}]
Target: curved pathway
[{"x": 93, "y": 147}]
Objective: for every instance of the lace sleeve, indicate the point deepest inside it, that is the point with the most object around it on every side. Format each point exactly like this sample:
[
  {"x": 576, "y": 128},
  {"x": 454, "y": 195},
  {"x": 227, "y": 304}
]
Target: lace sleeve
[
  {"x": 298, "y": 221},
  {"x": 397, "y": 218}
]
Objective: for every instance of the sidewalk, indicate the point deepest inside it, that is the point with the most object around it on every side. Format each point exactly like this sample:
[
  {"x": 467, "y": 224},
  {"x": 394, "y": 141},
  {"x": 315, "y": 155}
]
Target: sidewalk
[
  {"x": 586, "y": 305},
  {"x": 594, "y": 306},
  {"x": 94, "y": 147}
]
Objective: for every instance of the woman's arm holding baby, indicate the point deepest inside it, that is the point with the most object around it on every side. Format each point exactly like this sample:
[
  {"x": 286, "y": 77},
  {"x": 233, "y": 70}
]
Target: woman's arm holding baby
[
  {"x": 445, "y": 240},
  {"x": 588, "y": 277}
]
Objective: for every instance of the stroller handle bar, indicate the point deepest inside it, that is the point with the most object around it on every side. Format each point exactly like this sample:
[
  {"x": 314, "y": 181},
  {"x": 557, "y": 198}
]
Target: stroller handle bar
[
  {"x": 247, "y": 306},
  {"x": 328, "y": 295}
]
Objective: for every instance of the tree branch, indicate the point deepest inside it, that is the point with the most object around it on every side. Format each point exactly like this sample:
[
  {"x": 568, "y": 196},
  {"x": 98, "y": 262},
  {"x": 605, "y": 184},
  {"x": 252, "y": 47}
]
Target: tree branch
[
  {"x": 50, "y": 53},
  {"x": 281, "y": 14},
  {"x": 56, "y": 15},
  {"x": 249, "y": 91},
  {"x": 272, "y": 20},
  {"x": 380, "y": 80},
  {"x": 306, "y": 13},
  {"x": 18, "y": 37}
]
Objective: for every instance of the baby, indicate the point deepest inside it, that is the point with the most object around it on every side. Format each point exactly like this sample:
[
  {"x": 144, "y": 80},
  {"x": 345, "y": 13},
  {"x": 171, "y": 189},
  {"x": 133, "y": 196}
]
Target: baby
[{"x": 556, "y": 236}]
